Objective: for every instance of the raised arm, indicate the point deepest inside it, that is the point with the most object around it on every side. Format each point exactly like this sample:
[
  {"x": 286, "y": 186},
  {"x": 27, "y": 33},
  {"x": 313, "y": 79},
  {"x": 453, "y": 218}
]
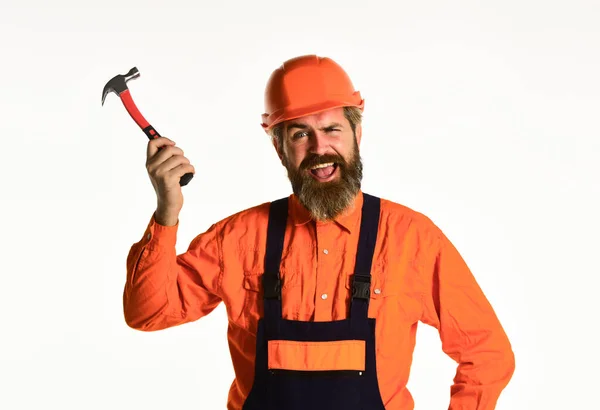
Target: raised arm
[{"x": 164, "y": 289}]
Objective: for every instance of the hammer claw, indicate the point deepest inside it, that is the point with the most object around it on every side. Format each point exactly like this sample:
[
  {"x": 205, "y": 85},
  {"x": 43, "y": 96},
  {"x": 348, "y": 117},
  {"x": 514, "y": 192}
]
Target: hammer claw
[{"x": 118, "y": 83}]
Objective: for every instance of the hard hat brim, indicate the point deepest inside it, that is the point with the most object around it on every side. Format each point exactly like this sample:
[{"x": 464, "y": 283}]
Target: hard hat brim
[{"x": 290, "y": 113}]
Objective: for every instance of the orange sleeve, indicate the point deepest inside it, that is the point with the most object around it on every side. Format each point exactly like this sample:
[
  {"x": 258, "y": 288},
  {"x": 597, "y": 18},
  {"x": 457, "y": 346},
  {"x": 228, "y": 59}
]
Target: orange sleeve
[
  {"x": 469, "y": 329},
  {"x": 164, "y": 289}
]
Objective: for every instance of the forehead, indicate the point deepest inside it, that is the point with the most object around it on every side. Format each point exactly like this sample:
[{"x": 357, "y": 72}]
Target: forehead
[{"x": 320, "y": 119}]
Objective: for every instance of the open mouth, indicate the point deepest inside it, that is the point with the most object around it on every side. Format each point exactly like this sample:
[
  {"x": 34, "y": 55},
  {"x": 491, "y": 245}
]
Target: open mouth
[{"x": 324, "y": 172}]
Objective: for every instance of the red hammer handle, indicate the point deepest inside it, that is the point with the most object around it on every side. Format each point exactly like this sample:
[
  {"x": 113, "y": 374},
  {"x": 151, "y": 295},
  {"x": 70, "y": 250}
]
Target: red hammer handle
[
  {"x": 133, "y": 110},
  {"x": 148, "y": 129}
]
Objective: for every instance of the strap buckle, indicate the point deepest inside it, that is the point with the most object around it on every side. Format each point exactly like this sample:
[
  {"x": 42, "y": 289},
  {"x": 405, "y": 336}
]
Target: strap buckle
[
  {"x": 361, "y": 287},
  {"x": 272, "y": 286}
]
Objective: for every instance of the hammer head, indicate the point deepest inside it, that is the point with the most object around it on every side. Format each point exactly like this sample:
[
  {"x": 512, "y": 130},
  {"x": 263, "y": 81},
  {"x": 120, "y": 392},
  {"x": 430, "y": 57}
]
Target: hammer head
[{"x": 118, "y": 83}]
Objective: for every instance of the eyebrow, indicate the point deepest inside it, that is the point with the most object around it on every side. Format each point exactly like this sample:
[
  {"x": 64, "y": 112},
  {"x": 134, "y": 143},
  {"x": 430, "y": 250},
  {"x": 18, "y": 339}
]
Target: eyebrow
[
  {"x": 297, "y": 125},
  {"x": 304, "y": 126}
]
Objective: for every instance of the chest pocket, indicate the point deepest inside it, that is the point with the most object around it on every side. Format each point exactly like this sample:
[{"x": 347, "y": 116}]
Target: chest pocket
[
  {"x": 253, "y": 298},
  {"x": 385, "y": 292}
]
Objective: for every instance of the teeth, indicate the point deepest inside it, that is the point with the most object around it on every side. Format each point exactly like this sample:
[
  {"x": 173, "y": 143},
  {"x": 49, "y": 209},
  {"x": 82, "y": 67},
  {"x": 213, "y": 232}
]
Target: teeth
[{"x": 323, "y": 165}]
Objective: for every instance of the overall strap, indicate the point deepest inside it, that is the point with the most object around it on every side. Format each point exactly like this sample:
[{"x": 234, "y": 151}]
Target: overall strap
[
  {"x": 361, "y": 284},
  {"x": 271, "y": 282}
]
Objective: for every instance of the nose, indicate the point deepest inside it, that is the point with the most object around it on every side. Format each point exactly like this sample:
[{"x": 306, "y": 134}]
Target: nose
[{"x": 319, "y": 142}]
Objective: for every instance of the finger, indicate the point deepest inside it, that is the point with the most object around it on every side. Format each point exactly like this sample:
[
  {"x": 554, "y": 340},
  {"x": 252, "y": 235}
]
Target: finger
[
  {"x": 172, "y": 178},
  {"x": 180, "y": 170},
  {"x": 163, "y": 155},
  {"x": 169, "y": 164},
  {"x": 155, "y": 144}
]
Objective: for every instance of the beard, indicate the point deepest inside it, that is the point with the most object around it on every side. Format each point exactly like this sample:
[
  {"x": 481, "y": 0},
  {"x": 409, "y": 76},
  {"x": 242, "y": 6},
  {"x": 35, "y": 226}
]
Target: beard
[{"x": 326, "y": 200}]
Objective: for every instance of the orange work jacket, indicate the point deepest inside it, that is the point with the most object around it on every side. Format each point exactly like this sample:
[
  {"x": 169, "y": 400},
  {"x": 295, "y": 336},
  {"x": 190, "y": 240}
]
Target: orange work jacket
[{"x": 417, "y": 275}]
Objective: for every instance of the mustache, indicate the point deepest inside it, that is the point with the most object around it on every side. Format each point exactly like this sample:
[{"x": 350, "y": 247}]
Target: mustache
[{"x": 313, "y": 159}]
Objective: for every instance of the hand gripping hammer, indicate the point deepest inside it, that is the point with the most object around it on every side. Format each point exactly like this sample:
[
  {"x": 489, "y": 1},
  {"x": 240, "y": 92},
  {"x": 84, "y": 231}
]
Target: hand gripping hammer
[{"x": 118, "y": 85}]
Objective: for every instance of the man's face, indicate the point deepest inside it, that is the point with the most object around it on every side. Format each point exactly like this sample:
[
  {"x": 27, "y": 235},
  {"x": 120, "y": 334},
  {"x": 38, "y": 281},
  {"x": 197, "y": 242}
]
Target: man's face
[{"x": 320, "y": 153}]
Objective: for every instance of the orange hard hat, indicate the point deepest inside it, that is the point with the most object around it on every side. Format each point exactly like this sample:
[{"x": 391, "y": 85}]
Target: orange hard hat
[{"x": 306, "y": 85}]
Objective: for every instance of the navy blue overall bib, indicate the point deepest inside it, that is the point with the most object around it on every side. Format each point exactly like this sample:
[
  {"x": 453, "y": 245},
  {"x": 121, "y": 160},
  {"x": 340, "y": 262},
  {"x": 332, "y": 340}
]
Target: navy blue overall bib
[{"x": 353, "y": 388}]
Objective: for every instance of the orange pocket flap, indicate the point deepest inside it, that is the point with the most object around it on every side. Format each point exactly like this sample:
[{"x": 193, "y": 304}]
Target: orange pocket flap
[{"x": 316, "y": 356}]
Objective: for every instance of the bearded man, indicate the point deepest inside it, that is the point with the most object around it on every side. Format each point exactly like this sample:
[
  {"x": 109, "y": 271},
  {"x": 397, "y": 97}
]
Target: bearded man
[{"x": 324, "y": 288}]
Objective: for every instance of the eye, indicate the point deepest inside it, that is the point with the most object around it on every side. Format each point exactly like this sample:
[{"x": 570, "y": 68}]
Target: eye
[{"x": 300, "y": 134}]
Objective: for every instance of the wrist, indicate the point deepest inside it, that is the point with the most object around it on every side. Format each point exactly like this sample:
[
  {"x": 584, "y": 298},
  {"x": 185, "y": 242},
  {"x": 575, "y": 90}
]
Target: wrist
[{"x": 166, "y": 217}]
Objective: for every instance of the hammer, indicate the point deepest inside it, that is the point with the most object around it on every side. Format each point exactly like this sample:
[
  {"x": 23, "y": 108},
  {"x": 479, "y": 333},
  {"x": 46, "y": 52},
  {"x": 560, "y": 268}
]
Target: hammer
[{"x": 118, "y": 85}]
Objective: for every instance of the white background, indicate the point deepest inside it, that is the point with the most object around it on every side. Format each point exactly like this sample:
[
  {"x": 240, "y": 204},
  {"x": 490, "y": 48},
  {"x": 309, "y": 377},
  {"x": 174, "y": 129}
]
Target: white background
[{"x": 482, "y": 115}]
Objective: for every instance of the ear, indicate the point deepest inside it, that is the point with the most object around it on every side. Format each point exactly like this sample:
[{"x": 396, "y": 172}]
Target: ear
[
  {"x": 278, "y": 149},
  {"x": 358, "y": 133}
]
